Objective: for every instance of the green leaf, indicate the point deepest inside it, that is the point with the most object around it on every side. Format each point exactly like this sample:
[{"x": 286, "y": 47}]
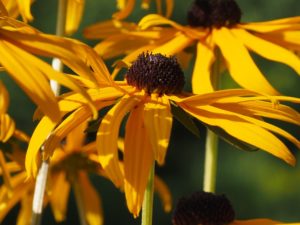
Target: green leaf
[
  {"x": 185, "y": 119},
  {"x": 232, "y": 140}
]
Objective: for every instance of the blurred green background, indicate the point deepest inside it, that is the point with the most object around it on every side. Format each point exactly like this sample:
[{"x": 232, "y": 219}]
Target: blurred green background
[{"x": 258, "y": 184}]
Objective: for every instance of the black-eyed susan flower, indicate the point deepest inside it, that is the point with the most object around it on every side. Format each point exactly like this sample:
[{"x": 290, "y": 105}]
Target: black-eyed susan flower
[
  {"x": 126, "y": 7},
  {"x": 18, "y": 42},
  {"x": 153, "y": 83},
  {"x": 20, "y": 7},
  {"x": 210, "y": 209},
  {"x": 215, "y": 24}
]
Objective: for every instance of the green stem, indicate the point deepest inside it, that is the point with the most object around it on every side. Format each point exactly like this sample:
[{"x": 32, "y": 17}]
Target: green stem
[
  {"x": 211, "y": 146},
  {"x": 147, "y": 209},
  {"x": 40, "y": 184}
]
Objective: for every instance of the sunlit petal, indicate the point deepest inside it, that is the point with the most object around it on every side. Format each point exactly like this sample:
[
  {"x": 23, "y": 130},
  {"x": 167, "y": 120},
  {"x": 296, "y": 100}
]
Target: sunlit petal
[
  {"x": 138, "y": 158},
  {"x": 74, "y": 14}
]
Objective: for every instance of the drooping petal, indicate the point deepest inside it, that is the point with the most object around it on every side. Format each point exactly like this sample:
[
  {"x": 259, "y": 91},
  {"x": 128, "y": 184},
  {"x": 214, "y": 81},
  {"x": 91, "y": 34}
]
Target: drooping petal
[
  {"x": 243, "y": 130},
  {"x": 91, "y": 201},
  {"x": 240, "y": 64},
  {"x": 32, "y": 81},
  {"x": 201, "y": 78},
  {"x": 24, "y": 8},
  {"x": 7, "y": 127},
  {"x": 59, "y": 195},
  {"x": 155, "y": 20},
  {"x": 268, "y": 50},
  {"x": 74, "y": 13},
  {"x": 125, "y": 10},
  {"x": 107, "y": 137},
  {"x": 138, "y": 158},
  {"x": 158, "y": 122},
  {"x": 24, "y": 215},
  {"x": 164, "y": 193}
]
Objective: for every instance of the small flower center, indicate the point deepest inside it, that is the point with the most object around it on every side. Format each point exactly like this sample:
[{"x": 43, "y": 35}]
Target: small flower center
[
  {"x": 156, "y": 73},
  {"x": 214, "y": 13},
  {"x": 203, "y": 208}
]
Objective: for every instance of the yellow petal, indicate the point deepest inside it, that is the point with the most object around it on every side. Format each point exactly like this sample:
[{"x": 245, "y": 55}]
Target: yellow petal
[
  {"x": 240, "y": 64},
  {"x": 39, "y": 136},
  {"x": 201, "y": 78},
  {"x": 91, "y": 201},
  {"x": 33, "y": 81},
  {"x": 74, "y": 14},
  {"x": 24, "y": 8},
  {"x": 138, "y": 158},
  {"x": 260, "y": 222},
  {"x": 164, "y": 193},
  {"x": 158, "y": 123},
  {"x": 175, "y": 45},
  {"x": 5, "y": 173},
  {"x": 7, "y": 127},
  {"x": 60, "y": 190},
  {"x": 268, "y": 50},
  {"x": 107, "y": 137},
  {"x": 125, "y": 12},
  {"x": 245, "y": 131},
  {"x": 75, "y": 139},
  {"x": 3, "y": 11},
  {"x": 169, "y": 8},
  {"x": 4, "y": 98},
  {"x": 155, "y": 20},
  {"x": 24, "y": 215}
]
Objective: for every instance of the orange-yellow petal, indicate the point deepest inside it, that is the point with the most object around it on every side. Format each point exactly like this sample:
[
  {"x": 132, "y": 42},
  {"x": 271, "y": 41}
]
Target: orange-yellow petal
[
  {"x": 107, "y": 137},
  {"x": 201, "y": 78},
  {"x": 125, "y": 11},
  {"x": 91, "y": 201},
  {"x": 7, "y": 127},
  {"x": 74, "y": 13},
  {"x": 260, "y": 222},
  {"x": 138, "y": 158},
  {"x": 4, "y": 98},
  {"x": 158, "y": 122},
  {"x": 240, "y": 64},
  {"x": 164, "y": 193}
]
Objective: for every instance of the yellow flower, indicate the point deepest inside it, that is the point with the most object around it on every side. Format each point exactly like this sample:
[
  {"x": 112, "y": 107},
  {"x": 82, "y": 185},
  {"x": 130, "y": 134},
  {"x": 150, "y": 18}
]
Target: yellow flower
[
  {"x": 17, "y": 7},
  {"x": 211, "y": 28},
  {"x": 153, "y": 83},
  {"x": 32, "y": 74},
  {"x": 209, "y": 208},
  {"x": 127, "y": 6}
]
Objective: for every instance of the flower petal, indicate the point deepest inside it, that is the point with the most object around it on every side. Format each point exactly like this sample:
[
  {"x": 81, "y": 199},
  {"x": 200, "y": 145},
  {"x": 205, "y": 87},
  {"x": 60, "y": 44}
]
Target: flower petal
[
  {"x": 25, "y": 212},
  {"x": 158, "y": 122},
  {"x": 155, "y": 20},
  {"x": 125, "y": 11},
  {"x": 91, "y": 201},
  {"x": 201, "y": 78},
  {"x": 7, "y": 127},
  {"x": 60, "y": 190},
  {"x": 164, "y": 193},
  {"x": 138, "y": 158},
  {"x": 24, "y": 8},
  {"x": 240, "y": 64},
  {"x": 107, "y": 137},
  {"x": 268, "y": 50},
  {"x": 260, "y": 222},
  {"x": 4, "y": 99},
  {"x": 74, "y": 14}
]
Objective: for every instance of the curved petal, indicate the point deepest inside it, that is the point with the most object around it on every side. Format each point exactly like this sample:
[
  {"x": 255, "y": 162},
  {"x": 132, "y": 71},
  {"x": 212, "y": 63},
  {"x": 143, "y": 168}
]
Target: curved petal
[
  {"x": 138, "y": 158},
  {"x": 164, "y": 193},
  {"x": 24, "y": 215},
  {"x": 243, "y": 130},
  {"x": 240, "y": 64},
  {"x": 24, "y": 8},
  {"x": 75, "y": 139},
  {"x": 91, "y": 201},
  {"x": 7, "y": 127},
  {"x": 125, "y": 10},
  {"x": 107, "y": 136},
  {"x": 158, "y": 122},
  {"x": 74, "y": 14},
  {"x": 4, "y": 98},
  {"x": 201, "y": 78},
  {"x": 267, "y": 49},
  {"x": 32, "y": 81},
  {"x": 155, "y": 20},
  {"x": 59, "y": 196}
]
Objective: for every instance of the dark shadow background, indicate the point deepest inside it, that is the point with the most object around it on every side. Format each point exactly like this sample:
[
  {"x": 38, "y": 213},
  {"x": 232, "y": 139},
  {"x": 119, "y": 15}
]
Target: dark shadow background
[{"x": 258, "y": 184}]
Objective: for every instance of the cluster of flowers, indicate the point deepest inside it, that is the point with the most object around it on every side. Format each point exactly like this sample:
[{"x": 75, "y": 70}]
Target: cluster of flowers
[{"x": 154, "y": 51}]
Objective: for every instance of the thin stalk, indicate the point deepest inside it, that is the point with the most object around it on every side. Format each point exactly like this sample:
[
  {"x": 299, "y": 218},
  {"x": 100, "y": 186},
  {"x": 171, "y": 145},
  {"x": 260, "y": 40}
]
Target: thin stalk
[
  {"x": 41, "y": 180},
  {"x": 79, "y": 201},
  {"x": 147, "y": 209},
  {"x": 211, "y": 144}
]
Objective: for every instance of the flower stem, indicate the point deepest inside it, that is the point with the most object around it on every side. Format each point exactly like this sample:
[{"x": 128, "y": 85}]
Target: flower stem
[
  {"x": 148, "y": 199},
  {"x": 79, "y": 201},
  {"x": 211, "y": 145},
  {"x": 41, "y": 180}
]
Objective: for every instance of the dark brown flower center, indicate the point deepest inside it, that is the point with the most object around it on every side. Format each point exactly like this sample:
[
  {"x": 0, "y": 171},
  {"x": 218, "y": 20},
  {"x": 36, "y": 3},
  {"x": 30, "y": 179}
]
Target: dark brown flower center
[
  {"x": 214, "y": 13},
  {"x": 203, "y": 208},
  {"x": 156, "y": 73}
]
